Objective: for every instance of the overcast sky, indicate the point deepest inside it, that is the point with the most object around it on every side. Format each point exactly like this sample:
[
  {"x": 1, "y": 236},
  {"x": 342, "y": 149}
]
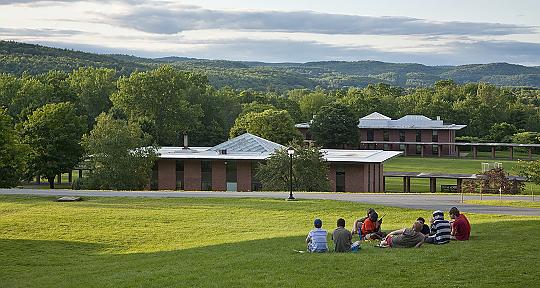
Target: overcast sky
[{"x": 432, "y": 32}]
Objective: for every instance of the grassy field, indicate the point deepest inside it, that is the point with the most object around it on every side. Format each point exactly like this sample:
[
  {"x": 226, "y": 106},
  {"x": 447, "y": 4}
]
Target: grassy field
[
  {"x": 509, "y": 203},
  {"x": 441, "y": 165},
  {"x": 138, "y": 242}
]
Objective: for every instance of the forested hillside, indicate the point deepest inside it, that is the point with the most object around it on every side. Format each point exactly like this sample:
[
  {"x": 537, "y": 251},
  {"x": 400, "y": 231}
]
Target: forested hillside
[{"x": 17, "y": 58}]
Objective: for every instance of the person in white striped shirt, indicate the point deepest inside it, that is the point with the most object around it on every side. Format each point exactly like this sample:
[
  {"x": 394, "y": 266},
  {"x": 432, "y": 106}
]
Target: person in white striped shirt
[
  {"x": 316, "y": 239},
  {"x": 440, "y": 229}
]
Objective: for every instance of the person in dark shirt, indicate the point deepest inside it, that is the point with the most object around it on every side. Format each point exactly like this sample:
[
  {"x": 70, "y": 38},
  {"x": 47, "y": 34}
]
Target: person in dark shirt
[
  {"x": 342, "y": 238},
  {"x": 425, "y": 228}
]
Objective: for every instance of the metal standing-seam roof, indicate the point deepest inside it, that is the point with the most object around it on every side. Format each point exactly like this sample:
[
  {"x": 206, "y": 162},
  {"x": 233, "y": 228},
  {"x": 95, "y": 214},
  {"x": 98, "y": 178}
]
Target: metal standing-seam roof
[
  {"x": 250, "y": 147},
  {"x": 247, "y": 143},
  {"x": 376, "y": 116},
  {"x": 377, "y": 120}
]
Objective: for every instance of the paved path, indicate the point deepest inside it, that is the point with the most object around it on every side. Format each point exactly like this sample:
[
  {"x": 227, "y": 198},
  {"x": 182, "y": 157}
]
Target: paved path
[{"x": 415, "y": 201}]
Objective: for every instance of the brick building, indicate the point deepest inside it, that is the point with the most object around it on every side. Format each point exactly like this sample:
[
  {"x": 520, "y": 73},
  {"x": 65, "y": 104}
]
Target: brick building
[
  {"x": 412, "y": 134},
  {"x": 231, "y": 166}
]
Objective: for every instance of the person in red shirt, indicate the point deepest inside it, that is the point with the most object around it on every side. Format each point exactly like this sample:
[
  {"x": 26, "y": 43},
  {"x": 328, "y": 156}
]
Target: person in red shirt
[
  {"x": 357, "y": 226},
  {"x": 371, "y": 228},
  {"x": 461, "y": 229}
]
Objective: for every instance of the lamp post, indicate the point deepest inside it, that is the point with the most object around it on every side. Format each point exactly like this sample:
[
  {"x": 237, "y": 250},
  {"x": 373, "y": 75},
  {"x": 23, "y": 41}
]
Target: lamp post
[{"x": 290, "y": 151}]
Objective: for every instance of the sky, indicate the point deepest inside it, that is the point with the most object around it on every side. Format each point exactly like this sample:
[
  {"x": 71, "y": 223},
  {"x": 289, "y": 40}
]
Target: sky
[{"x": 431, "y": 32}]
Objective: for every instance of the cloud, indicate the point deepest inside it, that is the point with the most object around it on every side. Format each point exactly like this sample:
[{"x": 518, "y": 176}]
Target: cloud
[
  {"x": 172, "y": 19},
  {"x": 45, "y": 2},
  {"x": 6, "y": 32},
  {"x": 453, "y": 53},
  {"x": 525, "y": 53},
  {"x": 11, "y": 2}
]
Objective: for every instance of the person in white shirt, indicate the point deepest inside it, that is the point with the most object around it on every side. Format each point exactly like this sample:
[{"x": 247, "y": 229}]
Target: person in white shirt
[{"x": 316, "y": 239}]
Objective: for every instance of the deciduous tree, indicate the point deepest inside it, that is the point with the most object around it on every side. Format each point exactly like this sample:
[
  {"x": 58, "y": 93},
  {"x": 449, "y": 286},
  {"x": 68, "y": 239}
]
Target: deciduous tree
[
  {"x": 162, "y": 98},
  {"x": 53, "y": 133},
  {"x": 335, "y": 126},
  {"x": 11, "y": 152},
  {"x": 119, "y": 154},
  {"x": 93, "y": 87},
  {"x": 271, "y": 124},
  {"x": 310, "y": 170},
  {"x": 529, "y": 169}
]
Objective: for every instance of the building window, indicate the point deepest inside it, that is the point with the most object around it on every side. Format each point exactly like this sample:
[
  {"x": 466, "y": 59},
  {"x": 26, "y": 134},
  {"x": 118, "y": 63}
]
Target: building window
[
  {"x": 435, "y": 149},
  {"x": 308, "y": 135},
  {"x": 418, "y": 135},
  {"x": 340, "y": 179},
  {"x": 206, "y": 175},
  {"x": 401, "y": 135},
  {"x": 402, "y": 147},
  {"x": 230, "y": 171},
  {"x": 386, "y": 147},
  {"x": 370, "y": 135},
  {"x": 386, "y": 135},
  {"x": 179, "y": 175},
  {"x": 435, "y": 136},
  {"x": 418, "y": 149}
]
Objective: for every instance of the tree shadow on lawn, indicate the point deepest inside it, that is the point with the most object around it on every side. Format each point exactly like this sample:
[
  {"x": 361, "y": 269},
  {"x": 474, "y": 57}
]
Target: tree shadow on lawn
[{"x": 497, "y": 254}]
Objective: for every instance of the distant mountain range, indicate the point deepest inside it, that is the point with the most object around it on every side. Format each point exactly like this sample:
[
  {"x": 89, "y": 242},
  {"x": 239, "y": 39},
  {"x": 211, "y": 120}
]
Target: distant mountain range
[{"x": 16, "y": 58}]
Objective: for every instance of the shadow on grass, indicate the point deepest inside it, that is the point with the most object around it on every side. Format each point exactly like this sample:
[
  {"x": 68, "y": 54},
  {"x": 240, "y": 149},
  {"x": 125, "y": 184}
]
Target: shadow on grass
[{"x": 498, "y": 253}]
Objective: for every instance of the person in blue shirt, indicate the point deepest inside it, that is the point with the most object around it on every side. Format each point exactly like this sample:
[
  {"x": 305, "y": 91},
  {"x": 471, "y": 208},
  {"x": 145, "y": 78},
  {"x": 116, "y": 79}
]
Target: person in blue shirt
[{"x": 316, "y": 239}]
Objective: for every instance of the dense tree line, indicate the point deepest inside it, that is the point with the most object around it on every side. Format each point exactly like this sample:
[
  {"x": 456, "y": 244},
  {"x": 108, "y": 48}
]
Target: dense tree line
[{"x": 45, "y": 116}]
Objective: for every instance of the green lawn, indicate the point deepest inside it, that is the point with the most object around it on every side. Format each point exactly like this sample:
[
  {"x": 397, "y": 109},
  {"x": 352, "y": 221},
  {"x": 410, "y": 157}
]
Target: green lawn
[
  {"x": 509, "y": 203},
  {"x": 441, "y": 165},
  {"x": 139, "y": 242}
]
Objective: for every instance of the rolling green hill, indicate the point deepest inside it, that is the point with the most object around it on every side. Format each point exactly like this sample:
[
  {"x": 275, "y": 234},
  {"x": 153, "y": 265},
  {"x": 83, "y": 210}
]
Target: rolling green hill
[{"x": 18, "y": 58}]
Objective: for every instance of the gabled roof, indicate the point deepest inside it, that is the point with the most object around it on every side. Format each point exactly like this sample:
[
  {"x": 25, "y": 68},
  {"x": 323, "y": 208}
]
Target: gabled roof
[
  {"x": 418, "y": 121},
  {"x": 415, "y": 118},
  {"x": 375, "y": 116},
  {"x": 379, "y": 121},
  {"x": 247, "y": 143}
]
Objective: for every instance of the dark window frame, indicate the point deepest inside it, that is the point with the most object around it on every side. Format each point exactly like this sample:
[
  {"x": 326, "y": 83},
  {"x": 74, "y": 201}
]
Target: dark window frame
[
  {"x": 206, "y": 175},
  {"x": 402, "y": 136},
  {"x": 340, "y": 178},
  {"x": 370, "y": 134},
  {"x": 386, "y": 135},
  {"x": 231, "y": 173},
  {"x": 180, "y": 174}
]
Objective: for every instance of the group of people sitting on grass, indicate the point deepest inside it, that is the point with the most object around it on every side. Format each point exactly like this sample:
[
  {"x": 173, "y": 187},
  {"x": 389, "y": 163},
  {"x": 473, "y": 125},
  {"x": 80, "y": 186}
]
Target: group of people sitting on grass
[{"x": 368, "y": 228}]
